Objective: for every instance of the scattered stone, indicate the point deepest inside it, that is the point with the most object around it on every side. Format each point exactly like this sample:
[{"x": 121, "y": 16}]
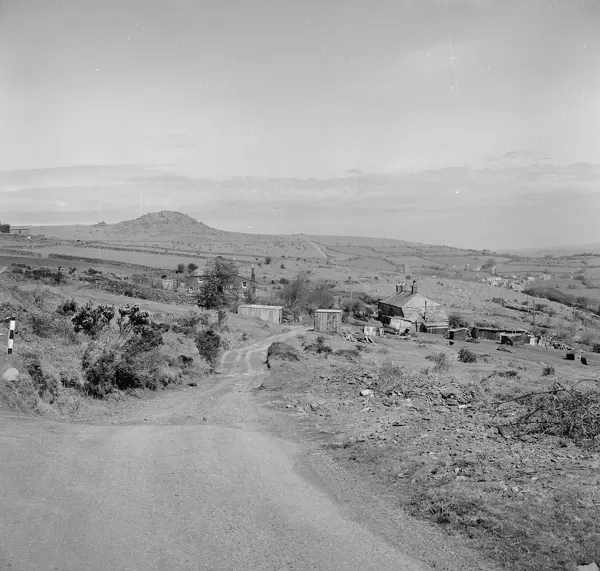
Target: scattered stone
[
  {"x": 192, "y": 384},
  {"x": 366, "y": 393},
  {"x": 590, "y": 567},
  {"x": 314, "y": 406}
]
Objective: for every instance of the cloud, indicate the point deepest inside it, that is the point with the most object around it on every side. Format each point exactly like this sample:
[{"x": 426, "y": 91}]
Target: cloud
[{"x": 515, "y": 188}]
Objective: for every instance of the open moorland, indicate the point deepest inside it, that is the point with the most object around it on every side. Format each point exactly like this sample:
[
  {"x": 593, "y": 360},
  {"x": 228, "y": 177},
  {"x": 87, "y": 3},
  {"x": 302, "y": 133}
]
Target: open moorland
[{"x": 495, "y": 446}]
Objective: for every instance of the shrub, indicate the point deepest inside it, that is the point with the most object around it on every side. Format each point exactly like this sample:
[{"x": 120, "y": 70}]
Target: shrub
[
  {"x": 221, "y": 320},
  {"x": 440, "y": 360},
  {"x": 456, "y": 320},
  {"x": 91, "y": 320},
  {"x": 67, "y": 307},
  {"x": 267, "y": 260},
  {"x": 187, "y": 324},
  {"x": 350, "y": 354},
  {"x": 467, "y": 356},
  {"x": 131, "y": 318},
  {"x": 284, "y": 281},
  {"x": 390, "y": 378},
  {"x": 282, "y": 351},
  {"x": 548, "y": 371},
  {"x": 319, "y": 347},
  {"x": 208, "y": 344},
  {"x": 46, "y": 386}
]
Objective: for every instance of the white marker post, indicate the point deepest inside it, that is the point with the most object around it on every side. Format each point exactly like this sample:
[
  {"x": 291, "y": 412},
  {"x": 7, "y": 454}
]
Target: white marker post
[{"x": 11, "y": 334}]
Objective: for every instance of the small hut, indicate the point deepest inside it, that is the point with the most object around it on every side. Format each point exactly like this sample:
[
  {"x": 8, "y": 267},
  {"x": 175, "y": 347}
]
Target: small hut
[
  {"x": 458, "y": 334},
  {"x": 329, "y": 320},
  {"x": 272, "y": 313},
  {"x": 512, "y": 339}
]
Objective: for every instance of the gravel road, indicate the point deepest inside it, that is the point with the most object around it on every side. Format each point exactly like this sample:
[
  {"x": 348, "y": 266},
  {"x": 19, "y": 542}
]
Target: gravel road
[{"x": 188, "y": 480}]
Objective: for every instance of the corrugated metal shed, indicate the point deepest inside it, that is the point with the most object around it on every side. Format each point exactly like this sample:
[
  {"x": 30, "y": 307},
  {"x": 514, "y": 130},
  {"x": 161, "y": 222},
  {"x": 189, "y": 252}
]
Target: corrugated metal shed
[
  {"x": 328, "y": 320},
  {"x": 272, "y": 313}
]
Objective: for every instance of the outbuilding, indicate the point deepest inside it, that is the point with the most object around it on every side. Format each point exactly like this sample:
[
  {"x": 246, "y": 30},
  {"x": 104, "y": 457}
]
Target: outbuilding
[
  {"x": 458, "y": 334},
  {"x": 272, "y": 313},
  {"x": 329, "y": 320}
]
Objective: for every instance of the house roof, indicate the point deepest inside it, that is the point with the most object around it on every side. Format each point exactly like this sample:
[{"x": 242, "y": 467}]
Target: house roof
[
  {"x": 403, "y": 299},
  {"x": 261, "y": 306}
]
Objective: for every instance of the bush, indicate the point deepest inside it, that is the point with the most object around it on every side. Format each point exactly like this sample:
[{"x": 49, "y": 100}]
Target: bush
[
  {"x": 68, "y": 307},
  {"x": 187, "y": 324},
  {"x": 282, "y": 351},
  {"x": 350, "y": 354},
  {"x": 319, "y": 347},
  {"x": 467, "y": 356},
  {"x": 46, "y": 386},
  {"x": 208, "y": 344},
  {"x": 441, "y": 362},
  {"x": 91, "y": 320},
  {"x": 390, "y": 378},
  {"x": 456, "y": 320},
  {"x": 548, "y": 371}
]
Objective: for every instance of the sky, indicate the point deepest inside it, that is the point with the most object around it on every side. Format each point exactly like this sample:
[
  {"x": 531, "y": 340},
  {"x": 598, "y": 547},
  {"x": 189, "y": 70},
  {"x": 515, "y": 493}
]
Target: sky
[{"x": 474, "y": 123}]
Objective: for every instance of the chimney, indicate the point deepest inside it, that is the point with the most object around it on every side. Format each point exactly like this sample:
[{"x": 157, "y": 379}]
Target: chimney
[
  {"x": 252, "y": 276},
  {"x": 399, "y": 288},
  {"x": 414, "y": 287}
]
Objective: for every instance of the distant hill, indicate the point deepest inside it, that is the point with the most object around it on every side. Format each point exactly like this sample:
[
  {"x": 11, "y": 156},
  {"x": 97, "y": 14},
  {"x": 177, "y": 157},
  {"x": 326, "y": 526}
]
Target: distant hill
[{"x": 158, "y": 226}]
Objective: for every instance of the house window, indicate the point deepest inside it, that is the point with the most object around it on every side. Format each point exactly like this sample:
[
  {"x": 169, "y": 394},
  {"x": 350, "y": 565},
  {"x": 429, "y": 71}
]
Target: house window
[{"x": 244, "y": 285}]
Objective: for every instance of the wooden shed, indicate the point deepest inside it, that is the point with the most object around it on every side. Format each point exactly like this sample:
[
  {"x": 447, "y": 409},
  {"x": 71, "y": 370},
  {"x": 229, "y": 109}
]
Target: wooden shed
[
  {"x": 439, "y": 327},
  {"x": 512, "y": 338},
  {"x": 459, "y": 334},
  {"x": 272, "y": 313},
  {"x": 328, "y": 320}
]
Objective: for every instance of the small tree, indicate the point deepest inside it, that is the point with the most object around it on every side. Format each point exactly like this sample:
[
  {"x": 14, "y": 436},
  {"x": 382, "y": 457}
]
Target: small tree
[
  {"x": 267, "y": 260},
  {"x": 208, "y": 344},
  {"x": 180, "y": 268},
  {"x": 218, "y": 280},
  {"x": 488, "y": 264},
  {"x": 4, "y": 228},
  {"x": 191, "y": 267}
]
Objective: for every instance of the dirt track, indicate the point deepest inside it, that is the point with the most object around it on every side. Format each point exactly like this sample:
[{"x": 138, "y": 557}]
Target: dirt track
[{"x": 189, "y": 480}]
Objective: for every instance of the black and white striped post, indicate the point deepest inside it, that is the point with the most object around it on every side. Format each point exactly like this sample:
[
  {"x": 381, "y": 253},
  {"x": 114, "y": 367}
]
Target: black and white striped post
[{"x": 11, "y": 333}]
